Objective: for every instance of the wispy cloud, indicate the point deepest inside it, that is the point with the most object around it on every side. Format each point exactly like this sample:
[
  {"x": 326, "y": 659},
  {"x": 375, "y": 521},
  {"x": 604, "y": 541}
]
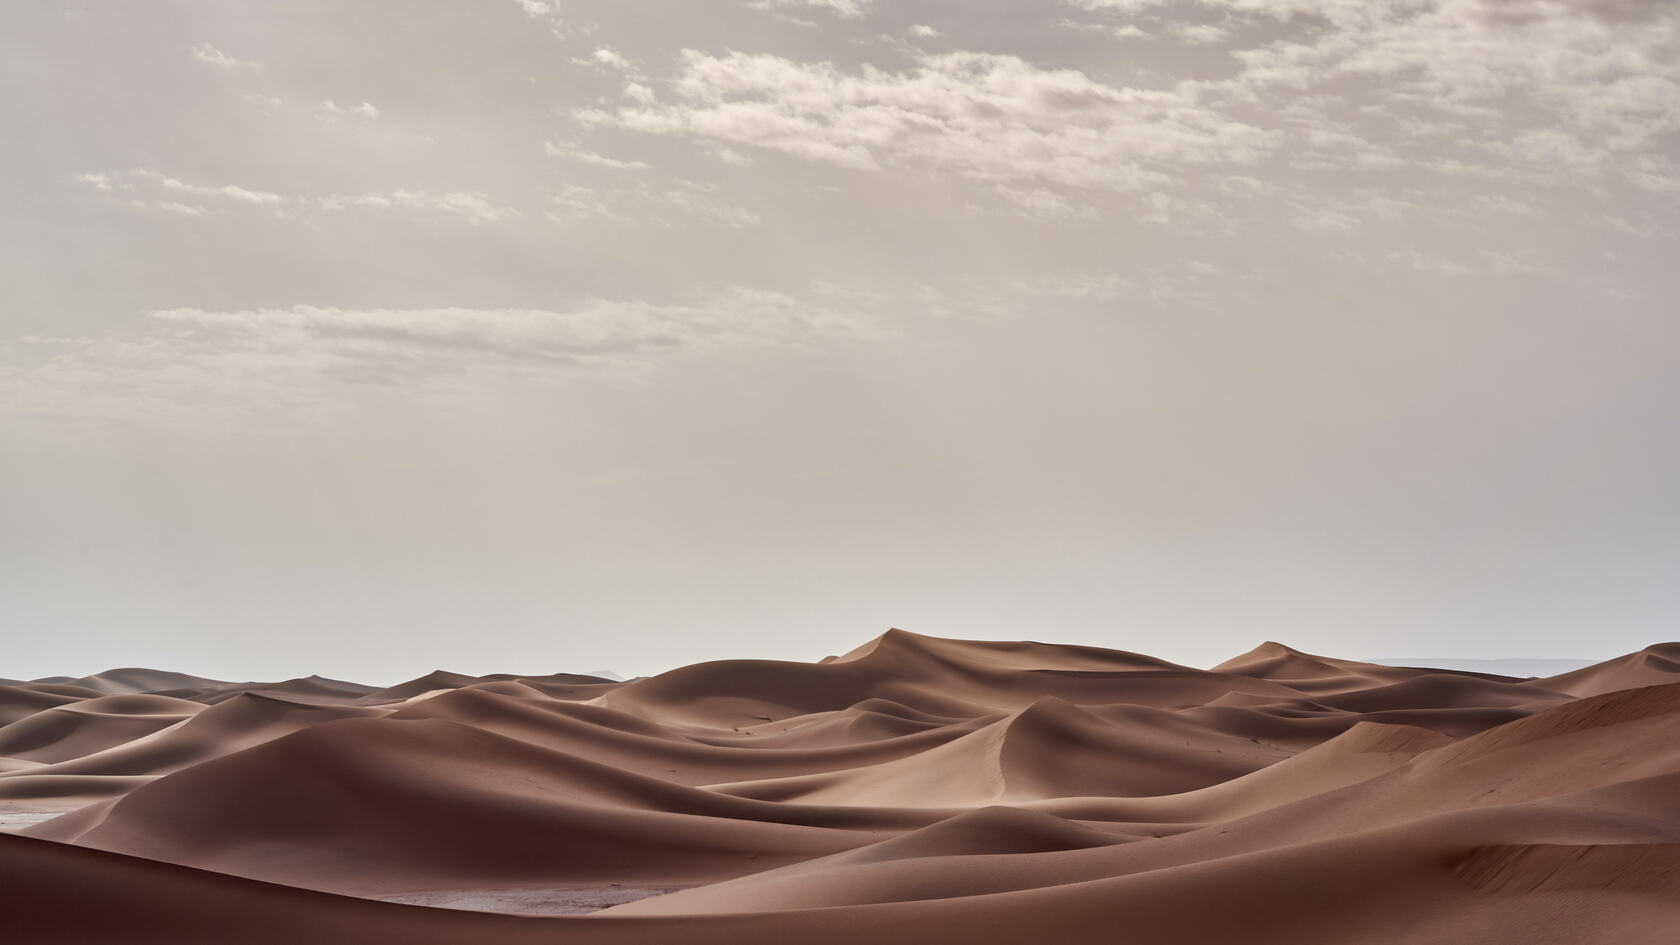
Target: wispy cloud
[
  {"x": 147, "y": 188},
  {"x": 547, "y": 12},
  {"x": 670, "y": 204},
  {"x": 845, "y": 9},
  {"x": 307, "y": 358},
  {"x": 573, "y": 152},
  {"x": 206, "y": 53},
  {"x": 333, "y": 109},
  {"x": 471, "y": 206}
]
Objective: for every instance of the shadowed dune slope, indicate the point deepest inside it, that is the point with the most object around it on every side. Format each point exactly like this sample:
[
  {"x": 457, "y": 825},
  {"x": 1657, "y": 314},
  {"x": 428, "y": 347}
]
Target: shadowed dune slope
[{"x": 90, "y": 725}]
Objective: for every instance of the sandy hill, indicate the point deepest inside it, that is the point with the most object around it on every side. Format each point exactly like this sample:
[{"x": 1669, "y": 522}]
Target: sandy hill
[{"x": 912, "y": 789}]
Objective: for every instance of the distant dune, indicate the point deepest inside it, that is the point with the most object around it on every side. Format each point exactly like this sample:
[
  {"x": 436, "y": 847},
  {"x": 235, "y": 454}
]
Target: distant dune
[
  {"x": 1520, "y": 668},
  {"x": 911, "y": 790}
]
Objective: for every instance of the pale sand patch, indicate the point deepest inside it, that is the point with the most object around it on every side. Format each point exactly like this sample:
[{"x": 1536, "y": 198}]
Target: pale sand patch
[
  {"x": 565, "y": 900},
  {"x": 15, "y": 820}
]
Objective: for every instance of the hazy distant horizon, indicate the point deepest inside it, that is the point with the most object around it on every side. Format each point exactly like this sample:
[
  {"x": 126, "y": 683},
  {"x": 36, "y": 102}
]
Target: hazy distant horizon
[
  {"x": 368, "y": 338},
  {"x": 1515, "y": 665}
]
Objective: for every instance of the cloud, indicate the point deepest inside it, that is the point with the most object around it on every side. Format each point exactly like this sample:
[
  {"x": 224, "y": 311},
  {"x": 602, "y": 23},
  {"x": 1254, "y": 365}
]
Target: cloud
[
  {"x": 152, "y": 189},
  {"x": 206, "y": 53},
  {"x": 471, "y": 206},
  {"x": 1038, "y": 203},
  {"x": 994, "y": 118},
  {"x": 547, "y": 12},
  {"x": 609, "y": 58},
  {"x": 668, "y": 204},
  {"x": 1481, "y": 262},
  {"x": 307, "y": 359},
  {"x": 845, "y": 9},
  {"x": 1185, "y": 284},
  {"x": 1345, "y": 212},
  {"x": 1116, "y": 6},
  {"x": 1575, "y": 91},
  {"x": 1194, "y": 34},
  {"x": 1431, "y": 104},
  {"x": 573, "y": 152},
  {"x": 332, "y": 108},
  {"x": 577, "y": 202},
  {"x": 144, "y": 187}
]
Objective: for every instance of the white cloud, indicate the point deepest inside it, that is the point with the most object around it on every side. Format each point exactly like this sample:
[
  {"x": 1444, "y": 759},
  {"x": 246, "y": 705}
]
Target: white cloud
[
  {"x": 845, "y": 9},
  {"x": 1116, "y": 6},
  {"x": 610, "y": 58},
  {"x": 669, "y": 204},
  {"x": 1039, "y": 203},
  {"x": 547, "y": 12},
  {"x": 471, "y": 206},
  {"x": 145, "y": 187},
  {"x": 364, "y": 110},
  {"x": 1499, "y": 203},
  {"x": 206, "y": 53},
  {"x": 1196, "y": 34},
  {"x": 577, "y": 202},
  {"x": 923, "y": 31},
  {"x": 1432, "y": 102},
  {"x": 186, "y": 210},
  {"x": 1480, "y": 262},
  {"x": 573, "y": 152},
  {"x": 1185, "y": 285},
  {"x": 1323, "y": 219},
  {"x": 152, "y": 189},
  {"x": 990, "y": 117},
  {"x": 704, "y": 203},
  {"x": 1547, "y": 77}
]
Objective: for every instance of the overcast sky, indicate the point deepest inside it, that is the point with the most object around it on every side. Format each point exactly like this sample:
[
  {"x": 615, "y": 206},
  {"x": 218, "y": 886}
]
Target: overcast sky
[{"x": 363, "y": 338}]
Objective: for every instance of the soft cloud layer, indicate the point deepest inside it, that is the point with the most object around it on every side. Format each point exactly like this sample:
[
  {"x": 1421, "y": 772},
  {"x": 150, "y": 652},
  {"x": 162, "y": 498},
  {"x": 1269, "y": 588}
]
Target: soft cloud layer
[
  {"x": 307, "y": 357},
  {"x": 992, "y": 117}
]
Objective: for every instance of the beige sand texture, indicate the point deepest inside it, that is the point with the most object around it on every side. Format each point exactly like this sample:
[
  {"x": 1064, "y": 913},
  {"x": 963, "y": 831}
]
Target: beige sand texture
[{"x": 913, "y": 789}]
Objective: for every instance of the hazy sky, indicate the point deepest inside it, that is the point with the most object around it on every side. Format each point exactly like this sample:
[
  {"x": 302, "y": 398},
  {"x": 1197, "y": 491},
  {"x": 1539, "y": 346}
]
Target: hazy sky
[{"x": 366, "y": 337}]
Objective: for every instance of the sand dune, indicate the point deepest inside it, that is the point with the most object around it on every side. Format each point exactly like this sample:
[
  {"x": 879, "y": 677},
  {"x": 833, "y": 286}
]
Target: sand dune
[
  {"x": 134, "y": 679},
  {"x": 912, "y": 789},
  {"x": 1651, "y": 666},
  {"x": 87, "y": 726}
]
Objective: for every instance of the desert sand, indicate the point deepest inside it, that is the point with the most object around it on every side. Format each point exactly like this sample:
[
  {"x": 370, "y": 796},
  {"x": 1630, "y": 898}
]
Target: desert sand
[{"x": 912, "y": 790}]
